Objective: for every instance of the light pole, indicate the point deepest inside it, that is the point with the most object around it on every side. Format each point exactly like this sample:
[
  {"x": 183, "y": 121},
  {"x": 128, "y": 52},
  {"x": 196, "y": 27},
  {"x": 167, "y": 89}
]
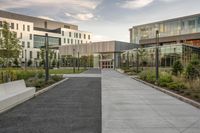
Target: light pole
[
  {"x": 47, "y": 58},
  {"x": 78, "y": 62},
  {"x": 73, "y": 60},
  {"x": 25, "y": 59},
  {"x": 137, "y": 61},
  {"x": 157, "y": 56}
]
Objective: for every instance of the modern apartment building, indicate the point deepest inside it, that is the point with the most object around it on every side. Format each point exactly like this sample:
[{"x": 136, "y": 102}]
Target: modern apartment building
[
  {"x": 31, "y": 32},
  {"x": 179, "y": 30}
]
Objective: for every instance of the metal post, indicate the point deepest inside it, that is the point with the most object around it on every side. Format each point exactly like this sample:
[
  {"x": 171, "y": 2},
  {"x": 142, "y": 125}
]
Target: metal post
[
  {"x": 157, "y": 56},
  {"x": 47, "y": 58},
  {"x": 25, "y": 59},
  {"x": 73, "y": 61},
  {"x": 78, "y": 61},
  {"x": 137, "y": 62}
]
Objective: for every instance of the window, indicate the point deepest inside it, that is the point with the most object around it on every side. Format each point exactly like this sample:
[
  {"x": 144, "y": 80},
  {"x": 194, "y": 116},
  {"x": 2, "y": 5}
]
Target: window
[
  {"x": 45, "y": 24},
  {"x": 182, "y": 25},
  {"x": 81, "y": 41},
  {"x": 23, "y": 44},
  {"x": 71, "y": 41},
  {"x": 30, "y": 37},
  {"x": 68, "y": 41},
  {"x": 12, "y": 26},
  {"x": 64, "y": 40},
  {"x": 198, "y": 21},
  {"x": 31, "y": 55},
  {"x": 191, "y": 23},
  {"x": 78, "y": 41},
  {"x": 70, "y": 34},
  {"x": 17, "y": 26},
  {"x": 84, "y": 36},
  {"x": 28, "y": 27},
  {"x": 63, "y": 33},
  {"x": 89, "y": 37},
  {"x": 66, "y": 26},
  {"x": 22, "y": 53},
  {"x": 74, "y": 35},
  {"x": 38, "y": 55},
  {"x": 21, "y": 35},
  {"x": 1, "y": 23},
  {"x": 28, "y": 44},
  {"x": 79, "y": 35},
  {"x": 23, "y": 27}
]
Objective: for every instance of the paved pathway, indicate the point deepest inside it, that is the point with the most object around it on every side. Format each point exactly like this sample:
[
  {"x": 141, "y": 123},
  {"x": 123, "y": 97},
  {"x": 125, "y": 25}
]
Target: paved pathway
[
  {"x": 72, "y": 107},
  {"x": 129, "y": 106}
]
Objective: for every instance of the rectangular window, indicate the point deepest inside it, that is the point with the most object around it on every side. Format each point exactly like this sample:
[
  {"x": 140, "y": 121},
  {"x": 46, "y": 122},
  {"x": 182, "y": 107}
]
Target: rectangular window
[
  {"x": 84, "y": 36},
  {"x": 12, "y": 25},
  {"x": 79, "y": 35},
  {"x": 198, "y": 21},
  {"x": 74, "y": 35},
  {"x": 89, "y": 37},
  {"x": 22, "y": 53},
  {"x": 23, "y": 27},
  {"x": 68, "y": 41},
  {"x": 21, "y": 35},
  {"x": 23, "y": 44},
  {"x": 78, "y": 41},
  {"x": 28, "y": 27},
  {"x": 63, "y": 33},
  {"x": 28, "y": 44},
  {"x": 17, "y": 26},
  {"x": 81, "y": 41},
  {"x": 38, "y": 55},
  {"x": 31, "y": 55},
  {"x": 45, "y": 24},
  {"x": 191, "y": 23},
  {"x": 64, "y": 40},
  {"x": 1, "y": 23},
  {"x": 30, "y": 37},
  {"x": 71, "y": 41},
  {"x": 70, "y": 34}
]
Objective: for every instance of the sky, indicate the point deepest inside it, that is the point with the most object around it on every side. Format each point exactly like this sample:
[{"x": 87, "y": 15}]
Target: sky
[{"x": 106, "y": 19}]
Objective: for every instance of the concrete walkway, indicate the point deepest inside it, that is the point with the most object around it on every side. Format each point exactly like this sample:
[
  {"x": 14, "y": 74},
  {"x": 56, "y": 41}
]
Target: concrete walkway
[{"x": 129, "y": 106}]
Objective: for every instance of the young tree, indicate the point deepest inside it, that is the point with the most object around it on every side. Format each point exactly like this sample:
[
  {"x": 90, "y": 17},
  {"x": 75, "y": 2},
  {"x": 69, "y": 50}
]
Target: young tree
[
  {"x": 193, "y": 68},
  {"x": 177, "y": 68},
  {"x": 9, "y": 45}
]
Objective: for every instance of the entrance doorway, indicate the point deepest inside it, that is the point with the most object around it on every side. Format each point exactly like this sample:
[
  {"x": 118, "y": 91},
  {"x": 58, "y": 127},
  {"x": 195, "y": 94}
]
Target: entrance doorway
[{"x": 106, "y": 64}]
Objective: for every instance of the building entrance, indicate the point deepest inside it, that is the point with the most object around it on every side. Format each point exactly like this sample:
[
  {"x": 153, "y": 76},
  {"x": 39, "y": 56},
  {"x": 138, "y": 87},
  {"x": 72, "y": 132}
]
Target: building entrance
[{"x": 106, "y": 64}]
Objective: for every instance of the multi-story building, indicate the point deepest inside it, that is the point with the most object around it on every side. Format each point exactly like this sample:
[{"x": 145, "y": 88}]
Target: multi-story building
[
  {"x": 31, "y": 33},
  {"x": 178, "y": 30}
]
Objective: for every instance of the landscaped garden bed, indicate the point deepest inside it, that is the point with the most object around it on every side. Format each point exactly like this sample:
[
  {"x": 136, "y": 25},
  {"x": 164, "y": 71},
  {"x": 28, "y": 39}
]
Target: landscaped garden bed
[{"x": 34, "y": 77}]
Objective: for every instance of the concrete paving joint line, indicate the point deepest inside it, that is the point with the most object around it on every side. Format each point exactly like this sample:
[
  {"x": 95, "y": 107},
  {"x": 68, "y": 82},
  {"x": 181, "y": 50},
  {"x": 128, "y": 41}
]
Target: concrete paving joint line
[{"x": 184, "y": 99}]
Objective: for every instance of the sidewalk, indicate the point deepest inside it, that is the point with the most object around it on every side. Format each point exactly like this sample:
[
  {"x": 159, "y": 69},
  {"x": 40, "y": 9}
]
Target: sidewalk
[{"x": 129, "y": 106}]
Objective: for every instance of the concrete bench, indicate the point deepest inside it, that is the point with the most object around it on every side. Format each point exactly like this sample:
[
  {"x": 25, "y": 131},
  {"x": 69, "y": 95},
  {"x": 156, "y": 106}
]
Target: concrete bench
[{"x": 14, "y": 93}]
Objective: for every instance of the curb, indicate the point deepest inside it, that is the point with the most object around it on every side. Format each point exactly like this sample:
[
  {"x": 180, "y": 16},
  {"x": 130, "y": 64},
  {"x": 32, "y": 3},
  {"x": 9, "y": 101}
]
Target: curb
[
  {"x": 184, "y": 99},
  {"x": 49, "y": 87}
]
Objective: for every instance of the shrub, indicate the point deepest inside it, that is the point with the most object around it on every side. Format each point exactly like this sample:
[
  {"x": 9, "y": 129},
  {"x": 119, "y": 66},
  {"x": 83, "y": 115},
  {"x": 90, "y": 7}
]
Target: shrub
[
  {"x": 148, "y": 75},
  {"x": 177, "y": 68},
  {"x": 56, "y": 78},
  {"x": 176, "y": 86}
]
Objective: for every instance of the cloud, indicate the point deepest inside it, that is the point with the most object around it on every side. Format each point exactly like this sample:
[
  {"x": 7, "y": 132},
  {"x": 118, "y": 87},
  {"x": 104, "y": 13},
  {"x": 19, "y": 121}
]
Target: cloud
[
  {"x": 135, "y": 4},
  {"x": 81, "y": 16},
  {"x": 89, "y": 4},
  {"x": 46, "y": 17}
]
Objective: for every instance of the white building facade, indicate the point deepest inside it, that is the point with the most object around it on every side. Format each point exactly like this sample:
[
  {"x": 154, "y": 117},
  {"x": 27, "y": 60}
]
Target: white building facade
[{"x": 31, "y": 33}]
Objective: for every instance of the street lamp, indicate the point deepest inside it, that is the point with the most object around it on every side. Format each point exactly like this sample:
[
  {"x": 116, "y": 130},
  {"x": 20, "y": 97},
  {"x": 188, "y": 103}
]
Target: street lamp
[
  {"x": 73, "y": 60},
  {"x": 47, "y": 58},
  {"x": 157, "y": 56}
]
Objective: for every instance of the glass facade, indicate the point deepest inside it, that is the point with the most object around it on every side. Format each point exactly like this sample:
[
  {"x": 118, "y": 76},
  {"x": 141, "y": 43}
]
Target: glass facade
[
  {"x": 168, "y": 54},
  {"x": 174, "y": 27},
  {"x": 39, "y": 41}
]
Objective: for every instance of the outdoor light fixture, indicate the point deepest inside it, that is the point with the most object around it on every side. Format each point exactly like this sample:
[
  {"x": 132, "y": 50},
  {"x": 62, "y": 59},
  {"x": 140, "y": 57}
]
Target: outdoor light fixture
[
  {"x": 157, "y": 56},
  {"x": 47, "y": 58}
]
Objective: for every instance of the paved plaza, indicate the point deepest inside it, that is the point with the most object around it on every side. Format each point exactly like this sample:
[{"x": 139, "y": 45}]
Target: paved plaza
[
  {"x": 129, "y": 106},
  {"x": 101, "y": 101}
]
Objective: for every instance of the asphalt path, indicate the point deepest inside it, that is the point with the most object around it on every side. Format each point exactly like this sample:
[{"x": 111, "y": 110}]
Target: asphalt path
[{"x": 74, "y": 106}]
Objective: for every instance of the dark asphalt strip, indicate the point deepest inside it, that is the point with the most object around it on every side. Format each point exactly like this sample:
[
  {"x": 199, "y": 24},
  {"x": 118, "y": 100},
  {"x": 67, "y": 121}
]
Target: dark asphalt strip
[{"x": 74, "y": 106}]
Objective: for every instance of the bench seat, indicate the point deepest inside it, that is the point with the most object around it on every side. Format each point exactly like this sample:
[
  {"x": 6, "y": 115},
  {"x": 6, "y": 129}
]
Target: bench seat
[{"x": 14, "y": 93}]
